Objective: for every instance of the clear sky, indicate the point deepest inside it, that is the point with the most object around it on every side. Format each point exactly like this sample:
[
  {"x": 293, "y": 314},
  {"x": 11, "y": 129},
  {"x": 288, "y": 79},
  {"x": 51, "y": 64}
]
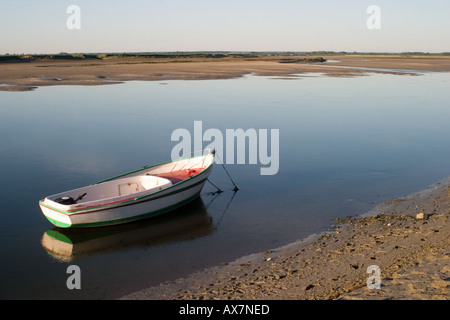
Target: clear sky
[{"x": 39, "y": 26}]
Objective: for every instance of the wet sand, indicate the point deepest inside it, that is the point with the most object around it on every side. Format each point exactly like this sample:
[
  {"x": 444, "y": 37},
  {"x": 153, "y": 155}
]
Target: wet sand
[
  {"x": 24, "y": 76},
  {"x": 408, "y": 239}
]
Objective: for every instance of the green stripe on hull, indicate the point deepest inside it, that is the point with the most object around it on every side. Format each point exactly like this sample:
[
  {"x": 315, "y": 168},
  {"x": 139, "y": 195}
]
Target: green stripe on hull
[
  {"x": 120, "y": 221},
  {"x": 58, "y": 223}
]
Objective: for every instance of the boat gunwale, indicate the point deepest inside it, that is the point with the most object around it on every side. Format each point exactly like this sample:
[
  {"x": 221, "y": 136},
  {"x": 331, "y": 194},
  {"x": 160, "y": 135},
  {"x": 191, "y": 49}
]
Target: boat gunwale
[{"x": 153, "y": 166}]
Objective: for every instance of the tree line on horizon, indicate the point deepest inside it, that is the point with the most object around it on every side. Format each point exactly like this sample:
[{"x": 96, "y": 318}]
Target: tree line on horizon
[{"x": 198, "y": 54}]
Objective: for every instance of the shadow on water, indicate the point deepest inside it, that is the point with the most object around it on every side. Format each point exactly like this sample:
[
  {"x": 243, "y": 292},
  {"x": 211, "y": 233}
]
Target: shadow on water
[{"x": 187, "y": 223}]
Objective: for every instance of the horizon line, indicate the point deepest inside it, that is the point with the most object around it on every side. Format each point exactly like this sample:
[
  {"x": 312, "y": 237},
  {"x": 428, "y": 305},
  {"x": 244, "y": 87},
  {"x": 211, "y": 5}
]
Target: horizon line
[{"x": 238, "y": 52}]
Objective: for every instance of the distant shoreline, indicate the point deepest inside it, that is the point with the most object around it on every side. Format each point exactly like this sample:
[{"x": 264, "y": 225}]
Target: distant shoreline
[
  {"x": 37, "y": 71},
  {"x": 208, "y": 54}
]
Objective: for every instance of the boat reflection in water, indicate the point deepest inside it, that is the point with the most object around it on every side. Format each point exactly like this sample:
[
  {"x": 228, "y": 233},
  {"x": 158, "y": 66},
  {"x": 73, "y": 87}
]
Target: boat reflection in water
[{"x": 189, "y": 222}]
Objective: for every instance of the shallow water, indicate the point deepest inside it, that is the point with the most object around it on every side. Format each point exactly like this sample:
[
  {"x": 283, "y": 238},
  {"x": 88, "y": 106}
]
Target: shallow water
[{"x": 345, "y": 145}]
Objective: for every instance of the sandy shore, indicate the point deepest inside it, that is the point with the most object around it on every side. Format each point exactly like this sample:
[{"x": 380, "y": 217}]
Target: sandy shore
[
  {"x": 408, "y": 239},
  {"x": 23, "y": 76}
]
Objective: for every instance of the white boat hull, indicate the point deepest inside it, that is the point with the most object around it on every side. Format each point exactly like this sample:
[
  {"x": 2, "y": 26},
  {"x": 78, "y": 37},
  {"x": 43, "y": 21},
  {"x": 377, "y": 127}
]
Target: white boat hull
[{"x": 131, "y": 207}]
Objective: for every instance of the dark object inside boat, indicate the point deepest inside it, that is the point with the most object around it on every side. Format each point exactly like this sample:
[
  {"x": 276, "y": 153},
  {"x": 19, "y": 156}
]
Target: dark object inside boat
[
  {"x": 69, "y": 200},
  {"x": 65, "y": 200}
]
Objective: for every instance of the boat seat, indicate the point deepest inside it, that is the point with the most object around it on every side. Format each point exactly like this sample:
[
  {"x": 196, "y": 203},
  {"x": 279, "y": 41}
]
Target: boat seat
[{"x": 129, "y": 188}]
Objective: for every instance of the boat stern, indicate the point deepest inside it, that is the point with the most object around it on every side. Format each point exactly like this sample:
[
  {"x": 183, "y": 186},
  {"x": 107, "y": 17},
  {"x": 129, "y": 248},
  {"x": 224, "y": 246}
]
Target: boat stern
[{"x": 57, "y": 218}]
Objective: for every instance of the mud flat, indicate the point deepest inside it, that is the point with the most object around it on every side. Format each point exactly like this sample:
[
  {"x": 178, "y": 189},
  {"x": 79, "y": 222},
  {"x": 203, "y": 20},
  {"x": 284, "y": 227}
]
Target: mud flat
[
  {"x": 408, "y": 239},
  {"x": 29, "y": 75}
]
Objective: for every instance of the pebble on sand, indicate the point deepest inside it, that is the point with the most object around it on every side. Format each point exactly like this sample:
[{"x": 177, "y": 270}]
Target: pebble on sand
[{"x": 420, "y": 216}]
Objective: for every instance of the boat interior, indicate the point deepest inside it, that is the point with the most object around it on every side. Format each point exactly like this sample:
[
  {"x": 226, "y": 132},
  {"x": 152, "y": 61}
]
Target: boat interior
[{"x": 130, "y": 186}]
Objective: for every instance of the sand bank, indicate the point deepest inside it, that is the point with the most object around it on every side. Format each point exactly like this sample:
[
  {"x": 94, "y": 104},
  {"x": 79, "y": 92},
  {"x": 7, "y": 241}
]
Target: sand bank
[
  {"x": 24, "y": 76},
  {"x": 408, "y": 239}
]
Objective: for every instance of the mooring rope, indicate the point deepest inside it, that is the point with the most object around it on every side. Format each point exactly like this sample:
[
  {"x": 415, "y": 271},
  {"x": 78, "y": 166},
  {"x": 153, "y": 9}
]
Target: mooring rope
[{"x": 235, "y": 186}]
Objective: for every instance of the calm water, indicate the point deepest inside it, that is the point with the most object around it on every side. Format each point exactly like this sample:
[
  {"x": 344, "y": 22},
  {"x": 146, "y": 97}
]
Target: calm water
[{"x": 345, "y": 145}]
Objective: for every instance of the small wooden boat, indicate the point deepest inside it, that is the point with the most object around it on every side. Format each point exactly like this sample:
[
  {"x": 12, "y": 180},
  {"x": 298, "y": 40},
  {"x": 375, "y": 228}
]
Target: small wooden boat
[{"x": 136, "y": 195}]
